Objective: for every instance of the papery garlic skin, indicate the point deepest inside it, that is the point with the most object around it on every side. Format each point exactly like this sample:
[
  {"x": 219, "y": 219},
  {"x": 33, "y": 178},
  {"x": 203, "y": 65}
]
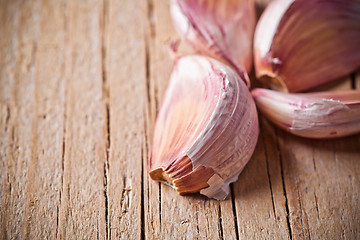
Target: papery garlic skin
[
  {"x": 206, "y": 130},
  {"x": 302, "y": 44},
  {"x": 222, "y": 29},
  {"x": 313, "y": 115}
]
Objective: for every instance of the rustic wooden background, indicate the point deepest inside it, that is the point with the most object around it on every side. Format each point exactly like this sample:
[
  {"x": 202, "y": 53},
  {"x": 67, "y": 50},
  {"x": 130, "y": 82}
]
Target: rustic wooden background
[{"x": 80, "y": 85}]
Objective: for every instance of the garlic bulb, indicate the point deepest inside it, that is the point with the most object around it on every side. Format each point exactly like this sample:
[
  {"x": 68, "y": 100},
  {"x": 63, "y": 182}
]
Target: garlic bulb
[
  {"x": 302, "y": 44},
  {"x": 206, "y": 130},
  {"x": 222, "y": 29},
  {"x": 313, "y": 115}
]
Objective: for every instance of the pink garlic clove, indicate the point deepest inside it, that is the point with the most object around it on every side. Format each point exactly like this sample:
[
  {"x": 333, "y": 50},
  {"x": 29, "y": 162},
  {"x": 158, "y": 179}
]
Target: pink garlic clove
[
  {"x": 312, "y": 115},
  {"x": 206, "y": 130},
  {"x": 222, "y": 29},
  {"x": 302, "y": 44}
]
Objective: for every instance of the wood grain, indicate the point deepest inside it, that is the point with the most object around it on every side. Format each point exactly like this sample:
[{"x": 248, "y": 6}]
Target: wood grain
[
  {"x": 126, "y": 79},
  {"x": 82, "y": 206},
  {"x": 259, "y": 195},
  {"x": 45, "y": 171},
  {"x": 19, "y": 81},
  {"x": 81, "y": 83}
]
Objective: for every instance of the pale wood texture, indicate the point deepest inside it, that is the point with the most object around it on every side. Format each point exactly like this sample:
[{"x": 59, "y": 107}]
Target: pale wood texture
[
  {"x": 125, "y": 75},
  {"x": 81, "y": 83},
  {"x": 82, "y": 196}
]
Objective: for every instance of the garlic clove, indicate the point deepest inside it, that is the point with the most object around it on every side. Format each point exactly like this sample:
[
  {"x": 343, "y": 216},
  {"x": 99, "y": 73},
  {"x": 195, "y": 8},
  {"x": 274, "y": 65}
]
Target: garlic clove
[
  {"x": 206, "y": 129},
  {"x": 222, "y": 29},
  {"x": 302, "y": 44},
  {"x": 312, "y": 115}
]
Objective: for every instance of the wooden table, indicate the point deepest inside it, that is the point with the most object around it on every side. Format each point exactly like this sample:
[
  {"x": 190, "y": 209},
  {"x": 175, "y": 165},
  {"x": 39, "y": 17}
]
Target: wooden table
[{"x": 80, "y": 85}]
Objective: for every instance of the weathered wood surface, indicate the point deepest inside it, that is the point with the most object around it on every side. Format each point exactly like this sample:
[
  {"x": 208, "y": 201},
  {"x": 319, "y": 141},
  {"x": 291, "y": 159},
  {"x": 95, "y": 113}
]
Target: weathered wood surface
[{"x": 80, "y": 85}]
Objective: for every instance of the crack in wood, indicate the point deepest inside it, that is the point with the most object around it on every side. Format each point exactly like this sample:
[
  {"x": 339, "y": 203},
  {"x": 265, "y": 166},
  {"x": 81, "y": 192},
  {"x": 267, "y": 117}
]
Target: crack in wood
[
  {"x": 106, "y": 171},
  {"x": 283, "y": 185},
  {"x": 64, "y": 70},
  {"x": 313, "y": 160},
  {"x": 268, "y": 175},
  {"x": 271, "y": 190},
  {"x": 207, "y": 224},
  {"x": 316, "y": 206},
  {"x": 144, "y": 162},
  {"x": 197, "y": 221},
  {"x": 234, "y": 211},
  {"x": 142, "y": 212},
  {"x": 150, "y": 114},
  {"x": 147, "y": 68},
  {"x": 125, "y": 198},
  {"x": 104, "y": 14},
  {"x": 159, "y": 184},
  {"x": 221, "y": 233},
  {"x": 104, "y": 21},
  {"x": 57, "y": 221},
  {"x": 7, "y": 117},
  {"x": 62, "y": 172},
  {"x": 149, "y": 97}
]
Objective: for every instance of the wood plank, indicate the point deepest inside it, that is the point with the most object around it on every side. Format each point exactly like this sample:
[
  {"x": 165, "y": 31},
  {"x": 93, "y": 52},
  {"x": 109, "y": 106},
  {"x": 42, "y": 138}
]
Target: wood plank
[
  {"x": 302, "y": 187},
  {"x": 322, "y": 183},
  {"x": 8, "y": 16},
  {"x": 151, "y": 190},
  {"x": 259, "y": 196},
  {"x": 126, "y": 78},
  {"x": 45, "y": 171},
  {"x": 20, "y": 79},
  {"x": 158, "y": 72},
  {"x": 82, "y": 210}
]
